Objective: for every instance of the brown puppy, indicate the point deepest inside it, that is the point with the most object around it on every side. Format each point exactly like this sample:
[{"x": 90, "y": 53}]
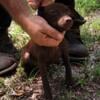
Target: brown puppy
[{"x": 60, "y": 17}]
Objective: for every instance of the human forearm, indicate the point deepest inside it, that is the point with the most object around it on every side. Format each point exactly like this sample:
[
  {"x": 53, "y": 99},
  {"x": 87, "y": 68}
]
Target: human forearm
[{"x": 19, "y": 11}]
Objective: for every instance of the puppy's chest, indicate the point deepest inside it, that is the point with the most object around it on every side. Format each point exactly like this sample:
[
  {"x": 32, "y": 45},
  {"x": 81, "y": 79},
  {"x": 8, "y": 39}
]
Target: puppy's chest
[{"x": 48, "y": 55}]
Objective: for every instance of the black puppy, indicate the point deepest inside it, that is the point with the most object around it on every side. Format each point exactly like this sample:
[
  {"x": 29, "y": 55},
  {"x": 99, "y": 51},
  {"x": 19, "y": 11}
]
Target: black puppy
[{"x": 60, "y": 17}]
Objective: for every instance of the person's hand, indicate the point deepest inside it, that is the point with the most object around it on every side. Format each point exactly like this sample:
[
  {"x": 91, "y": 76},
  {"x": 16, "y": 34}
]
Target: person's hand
[
  {"x": 42, "y": 33},
  {"x": 37, "y": 3},
  {"x": 34, "y": 3}
]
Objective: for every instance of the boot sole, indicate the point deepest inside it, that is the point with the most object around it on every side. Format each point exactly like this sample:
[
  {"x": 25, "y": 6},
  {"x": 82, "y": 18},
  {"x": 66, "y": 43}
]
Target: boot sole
[
  {"x": 4, "y": 71},
  {"x": 77, "y": 59}
]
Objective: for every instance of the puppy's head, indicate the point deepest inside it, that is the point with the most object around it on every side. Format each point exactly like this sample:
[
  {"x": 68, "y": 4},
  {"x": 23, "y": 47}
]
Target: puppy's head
[{"x": 58, "y": 16}]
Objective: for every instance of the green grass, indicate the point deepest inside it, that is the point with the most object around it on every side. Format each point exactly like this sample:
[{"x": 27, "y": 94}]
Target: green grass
[
  {"x": 96, "y": 25},
  {"x": 86, "y": 6},
  {"x": 96, "y": 71},
  {"x": 1, "y": 82},
  {"x": 19, "y": 37},
  {"x": 90, "y": 32}
]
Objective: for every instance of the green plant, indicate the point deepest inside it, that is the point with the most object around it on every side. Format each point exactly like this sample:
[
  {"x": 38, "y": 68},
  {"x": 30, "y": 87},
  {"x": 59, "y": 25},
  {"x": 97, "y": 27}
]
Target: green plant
[
  {"x": 86, "y": 6},
  {"x": 98, "y": 93},
  {"x": 95, "y": 25},
  {"x": 82, "y": 82},
  {"x": 1, "y": 82},
  {"x": 19, "y": 37},
  {"x": 90, "y": 32},
  {"x": 96, "y": 71}
]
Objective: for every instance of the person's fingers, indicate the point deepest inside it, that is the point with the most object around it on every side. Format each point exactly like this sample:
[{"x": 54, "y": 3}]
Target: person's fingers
[
  {"x": 33, "y": 3},
  {"x": 53, "y": 33},
  {"x": 46, "y": 2},
  {"x": 50, "y": 42},
  {"x": 44, "y": 40}
]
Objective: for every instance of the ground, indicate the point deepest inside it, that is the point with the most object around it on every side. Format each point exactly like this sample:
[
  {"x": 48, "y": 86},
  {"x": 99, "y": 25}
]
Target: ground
[{"x": 87, "y": 74}]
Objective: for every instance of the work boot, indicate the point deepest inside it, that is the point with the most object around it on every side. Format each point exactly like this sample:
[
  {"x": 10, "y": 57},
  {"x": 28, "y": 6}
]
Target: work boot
[
  {"x": 70, "y": 3},
  {"x": 8, "y": 53},
  {"x": 77, "y": 49},
  {"x": 8, "y": 61}
]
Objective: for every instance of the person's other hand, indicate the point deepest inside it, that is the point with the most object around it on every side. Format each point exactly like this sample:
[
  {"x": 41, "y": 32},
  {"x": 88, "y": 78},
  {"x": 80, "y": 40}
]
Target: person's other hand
[
  {"x": 37, "y": 3},
  {"x": 34, "y": 3},
  {"x": 43, "y": 34}
]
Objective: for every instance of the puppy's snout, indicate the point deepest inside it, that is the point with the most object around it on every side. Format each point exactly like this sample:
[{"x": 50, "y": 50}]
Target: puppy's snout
[
  {"x": 68, "y": 21},
  {"x": 65, "y": 22}
]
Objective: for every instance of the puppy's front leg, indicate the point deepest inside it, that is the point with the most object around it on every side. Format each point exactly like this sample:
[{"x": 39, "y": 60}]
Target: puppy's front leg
[
  {"x": 43, "y": 71},
  {"x": 66, "y": 62}
]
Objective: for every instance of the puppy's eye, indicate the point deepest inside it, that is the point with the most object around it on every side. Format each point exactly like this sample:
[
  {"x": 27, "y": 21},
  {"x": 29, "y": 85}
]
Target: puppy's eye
[{"x": 53, "y": 12}]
